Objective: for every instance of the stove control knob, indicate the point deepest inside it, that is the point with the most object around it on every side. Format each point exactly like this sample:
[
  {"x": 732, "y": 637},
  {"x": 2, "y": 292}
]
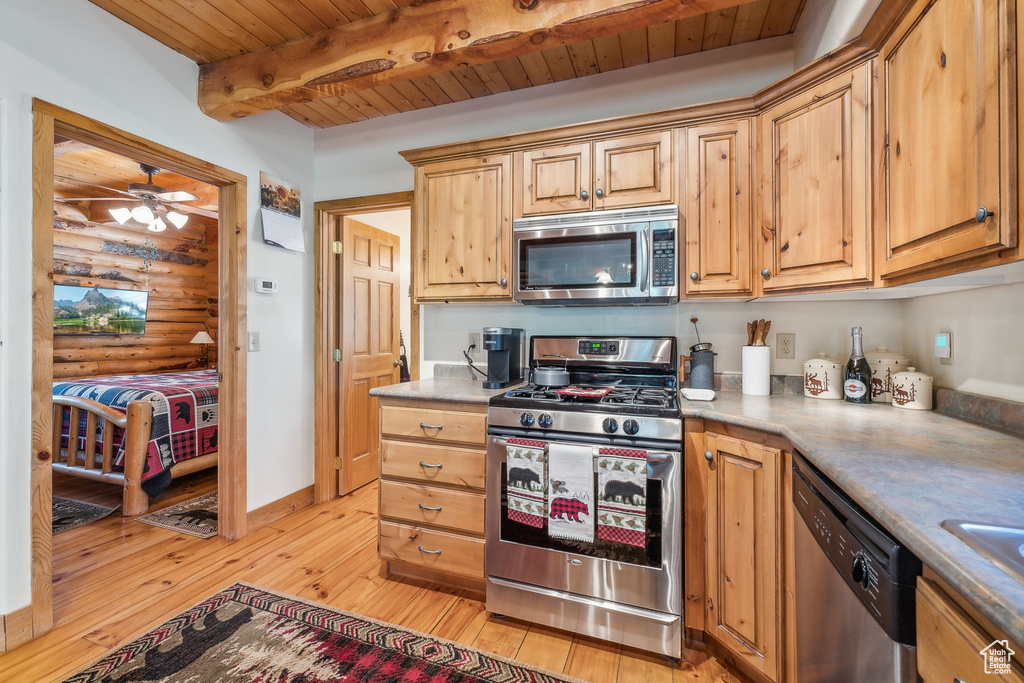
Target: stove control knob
[
  {"x": 609, "y": 425},
  {"x": 526, "y": 419},
  {"x": 544, "y": 420},
  {"x": 631, "y": 427},
  {"x": 860, "y": 572}
]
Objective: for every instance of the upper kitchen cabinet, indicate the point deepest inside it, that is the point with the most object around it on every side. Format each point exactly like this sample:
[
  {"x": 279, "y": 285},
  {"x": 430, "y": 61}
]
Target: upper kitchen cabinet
[
  {"x": 718, "y": 208},
  {"x": 815, "y": 209},
  {"x": 950, "y": 126},
  {"x": 632, "y": 170},
  {"x": 462, "y": 229}
]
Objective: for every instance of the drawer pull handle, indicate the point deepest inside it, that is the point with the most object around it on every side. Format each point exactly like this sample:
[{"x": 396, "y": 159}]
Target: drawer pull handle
[
  {"x": 427, "y": 507},
  {"x": 427, "y": 464},
  {"x": 426, "y": 426},
  {"x": 430, "y": 552}
]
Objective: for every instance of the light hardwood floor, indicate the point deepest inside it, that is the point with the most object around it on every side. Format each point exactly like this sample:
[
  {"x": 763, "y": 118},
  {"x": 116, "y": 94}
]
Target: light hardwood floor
[{"x": 116, "y": 578}]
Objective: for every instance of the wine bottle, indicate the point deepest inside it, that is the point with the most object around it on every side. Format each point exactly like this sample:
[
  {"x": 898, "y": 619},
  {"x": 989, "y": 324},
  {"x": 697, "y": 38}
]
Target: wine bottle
[{"x": 857, "y": 379}]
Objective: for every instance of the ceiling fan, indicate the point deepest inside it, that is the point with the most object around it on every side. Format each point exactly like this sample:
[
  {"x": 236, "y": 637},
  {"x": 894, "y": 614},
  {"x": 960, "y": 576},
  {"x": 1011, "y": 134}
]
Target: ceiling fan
[{"x": 151, "y": 210}]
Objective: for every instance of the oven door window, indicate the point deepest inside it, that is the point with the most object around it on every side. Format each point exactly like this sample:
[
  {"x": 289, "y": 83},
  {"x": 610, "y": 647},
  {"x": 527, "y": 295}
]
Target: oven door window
[
  {"x": 579, "y": 262},
  {"x": 648, "y": 556}
]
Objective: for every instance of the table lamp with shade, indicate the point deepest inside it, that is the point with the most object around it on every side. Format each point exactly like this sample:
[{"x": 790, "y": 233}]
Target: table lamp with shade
[{"x": 203, "y": 337}]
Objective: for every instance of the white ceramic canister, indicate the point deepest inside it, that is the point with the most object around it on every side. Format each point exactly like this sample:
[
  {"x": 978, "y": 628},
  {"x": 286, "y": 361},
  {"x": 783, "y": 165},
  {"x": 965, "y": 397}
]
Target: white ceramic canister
[
  {"x": 823, "y": 377},
  {"x": 884, "y": 364},
  {"x": 912, "y": 390}
]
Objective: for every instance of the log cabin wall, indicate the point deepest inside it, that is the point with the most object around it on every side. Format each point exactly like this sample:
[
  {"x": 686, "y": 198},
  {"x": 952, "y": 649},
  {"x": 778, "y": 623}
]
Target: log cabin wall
[{"x": 182, "y": 294}]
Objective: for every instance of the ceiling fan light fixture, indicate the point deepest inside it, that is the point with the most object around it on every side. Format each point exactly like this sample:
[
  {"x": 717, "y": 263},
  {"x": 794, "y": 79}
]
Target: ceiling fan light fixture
[
  {"x": 143, "y": 214},
  {"x": 178, "y": 219},
  {"x": 157, "y": 225},
  {"x": 121, "y": 214}
]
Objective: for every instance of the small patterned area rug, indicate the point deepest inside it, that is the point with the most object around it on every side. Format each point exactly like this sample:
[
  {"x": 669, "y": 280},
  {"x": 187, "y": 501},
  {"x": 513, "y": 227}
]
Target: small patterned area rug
[
  {"x": 246, "y": 633},
  {"x": 196, "y": 517},
  {"x": 68, "y": 513}
]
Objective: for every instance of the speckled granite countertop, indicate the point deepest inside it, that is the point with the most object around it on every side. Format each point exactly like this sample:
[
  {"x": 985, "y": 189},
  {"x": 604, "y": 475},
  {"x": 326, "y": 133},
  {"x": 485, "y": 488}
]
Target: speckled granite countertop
[
  {"x": 910, "y": 470},
  {"x": 439, "y": 389}
]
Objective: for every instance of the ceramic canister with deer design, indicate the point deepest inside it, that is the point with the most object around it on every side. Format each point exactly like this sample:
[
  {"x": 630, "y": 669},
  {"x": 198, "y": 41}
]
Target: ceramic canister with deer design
[
  {"x": 823, "y": 377},
  {"x": 884, "y": 364},
  {"x": 912, "y": 390}
]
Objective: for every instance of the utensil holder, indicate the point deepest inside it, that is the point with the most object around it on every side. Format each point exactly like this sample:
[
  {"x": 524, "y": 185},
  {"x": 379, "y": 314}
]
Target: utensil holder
[{"x": 757, "y": 378}]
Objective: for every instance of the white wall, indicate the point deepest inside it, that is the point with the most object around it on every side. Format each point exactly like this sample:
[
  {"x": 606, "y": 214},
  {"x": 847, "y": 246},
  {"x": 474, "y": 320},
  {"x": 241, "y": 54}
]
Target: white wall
[
  {"x": 827, "y": 24},
  {"x": 987, "y": 327},
  {"x": 75, "y": 55}
]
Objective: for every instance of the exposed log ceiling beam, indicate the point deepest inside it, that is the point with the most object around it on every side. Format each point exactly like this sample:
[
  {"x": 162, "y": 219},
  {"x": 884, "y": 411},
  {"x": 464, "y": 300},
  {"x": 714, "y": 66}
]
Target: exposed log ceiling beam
[{"x": 417, "y": 41}]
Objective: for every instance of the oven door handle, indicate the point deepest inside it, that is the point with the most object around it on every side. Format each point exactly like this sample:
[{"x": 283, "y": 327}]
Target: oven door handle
[
  {"x": 660, "y": 456},
  {"x": 504, "y": 443}
]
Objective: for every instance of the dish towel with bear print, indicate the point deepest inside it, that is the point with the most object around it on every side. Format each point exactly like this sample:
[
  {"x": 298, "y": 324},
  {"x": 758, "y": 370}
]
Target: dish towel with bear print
[
  {"x": 526, "y": 481},
  {"x": 571, "y": 492},
  {"x": 621, "y": 495}
]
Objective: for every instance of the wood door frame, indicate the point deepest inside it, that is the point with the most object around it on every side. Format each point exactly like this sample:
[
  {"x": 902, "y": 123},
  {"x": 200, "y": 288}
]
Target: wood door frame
[
  {"x": 231, "y": 320},
  {"x": 325, "y": 482}
]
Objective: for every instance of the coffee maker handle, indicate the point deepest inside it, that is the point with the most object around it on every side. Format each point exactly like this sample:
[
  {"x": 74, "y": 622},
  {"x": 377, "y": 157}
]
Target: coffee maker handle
[{"x": 682, "y": 368}]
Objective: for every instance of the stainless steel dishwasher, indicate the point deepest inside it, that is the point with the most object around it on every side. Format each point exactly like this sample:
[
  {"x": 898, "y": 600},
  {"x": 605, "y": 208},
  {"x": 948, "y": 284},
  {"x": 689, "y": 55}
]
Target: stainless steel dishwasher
[{"x": 854, "y": 589}]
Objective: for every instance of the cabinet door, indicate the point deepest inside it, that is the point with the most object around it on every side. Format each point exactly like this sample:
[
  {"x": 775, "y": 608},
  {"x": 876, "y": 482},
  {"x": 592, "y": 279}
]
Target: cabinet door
[
  {"x": 464, "y": 228},
  {"x": 718, "y": 208},
  {"x": 556, "y": 179},
  {"x": 635, "y": 170},
  {"x": 946, "y": 82},
  {"x": 743, "y": 526},
  {"x": 816, "y": 208}
]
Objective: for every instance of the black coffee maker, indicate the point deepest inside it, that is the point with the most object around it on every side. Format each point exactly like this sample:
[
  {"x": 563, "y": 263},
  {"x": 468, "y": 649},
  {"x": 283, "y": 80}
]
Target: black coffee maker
[{"x": 504, "y": 346}]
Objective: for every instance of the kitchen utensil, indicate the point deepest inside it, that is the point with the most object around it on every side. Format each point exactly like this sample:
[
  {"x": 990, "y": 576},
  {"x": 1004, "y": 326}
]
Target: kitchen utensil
[
  {"x": 884, "y": 364},
  {"x": 912, "y": 390},
  {"x": 553, "y": 377},
  {"x": 751, "y": 329},
  {"x": 823, "y": 377}
]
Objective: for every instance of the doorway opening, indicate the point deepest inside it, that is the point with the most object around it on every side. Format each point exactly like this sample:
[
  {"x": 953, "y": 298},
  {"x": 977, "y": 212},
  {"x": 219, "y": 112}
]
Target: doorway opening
[
  {"x": 339, "y": 428},
  {"x": 52, "y": 124}
]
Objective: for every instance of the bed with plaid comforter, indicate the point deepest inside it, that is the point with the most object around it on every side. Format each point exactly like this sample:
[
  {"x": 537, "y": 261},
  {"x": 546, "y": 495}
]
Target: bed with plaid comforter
[{"x": 184, "y": 417}]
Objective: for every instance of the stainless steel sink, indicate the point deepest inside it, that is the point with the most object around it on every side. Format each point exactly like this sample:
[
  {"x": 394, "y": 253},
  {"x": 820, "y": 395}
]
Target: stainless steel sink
[{"x": 1003, "y": 545}]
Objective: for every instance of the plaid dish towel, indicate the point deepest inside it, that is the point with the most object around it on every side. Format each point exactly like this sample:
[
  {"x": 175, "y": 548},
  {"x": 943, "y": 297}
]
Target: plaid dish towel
[
  {"x": 571, "y": 492},
  {"x": 621, "y": 495},
  {"x": 526, "y": 481}
]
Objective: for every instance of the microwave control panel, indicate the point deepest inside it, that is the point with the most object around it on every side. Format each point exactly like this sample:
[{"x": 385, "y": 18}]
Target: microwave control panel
[{"x": 664, "y": 258}]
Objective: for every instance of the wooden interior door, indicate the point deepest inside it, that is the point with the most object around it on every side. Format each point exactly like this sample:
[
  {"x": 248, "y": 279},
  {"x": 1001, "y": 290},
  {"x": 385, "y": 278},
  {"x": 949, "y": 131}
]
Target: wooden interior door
[
  {"x": 742, "y": 535},
  {"x": 368, "y": 318}
]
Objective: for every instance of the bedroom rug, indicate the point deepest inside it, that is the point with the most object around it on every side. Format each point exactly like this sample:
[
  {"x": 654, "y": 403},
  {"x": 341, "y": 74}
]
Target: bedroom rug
[
  {"x": 246, "y": 633},
  {"x": 68, "y": 513},
  {"x": 195, "y": 517}
]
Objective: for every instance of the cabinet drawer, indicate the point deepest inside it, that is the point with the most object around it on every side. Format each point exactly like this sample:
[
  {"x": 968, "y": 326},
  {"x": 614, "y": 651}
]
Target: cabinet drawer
[
  {"x": 433, "y": 425},
  {"x": 949, "y": 642},
  {"x": 458, "y": 554},
  {"x": 432, "y": 463},
  {"x": 459, "y": 510}
]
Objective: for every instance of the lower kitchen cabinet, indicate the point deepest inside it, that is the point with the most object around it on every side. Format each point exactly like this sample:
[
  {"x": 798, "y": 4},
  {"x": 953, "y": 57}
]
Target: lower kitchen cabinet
[
  {"x": 431, "y": 501},
  {"x": 950, "y": 643},
  {"x": 735, "y": 529}
]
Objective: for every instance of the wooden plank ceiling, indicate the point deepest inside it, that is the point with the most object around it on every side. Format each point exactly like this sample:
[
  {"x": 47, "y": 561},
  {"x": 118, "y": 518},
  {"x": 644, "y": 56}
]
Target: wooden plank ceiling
[{"x": 211, "y": 31}]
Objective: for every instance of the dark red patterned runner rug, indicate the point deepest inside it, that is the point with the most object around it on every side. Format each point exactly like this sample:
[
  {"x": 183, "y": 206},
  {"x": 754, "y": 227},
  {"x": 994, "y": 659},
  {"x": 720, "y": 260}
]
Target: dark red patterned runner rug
[{"x": 245, "y": 633}]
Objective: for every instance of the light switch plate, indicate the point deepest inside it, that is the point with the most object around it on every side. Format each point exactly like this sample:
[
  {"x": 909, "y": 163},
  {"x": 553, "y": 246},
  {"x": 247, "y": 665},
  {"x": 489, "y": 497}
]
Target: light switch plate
[
  {"x": 254, "y": 341},
  {"x": 944, "y": 348}
]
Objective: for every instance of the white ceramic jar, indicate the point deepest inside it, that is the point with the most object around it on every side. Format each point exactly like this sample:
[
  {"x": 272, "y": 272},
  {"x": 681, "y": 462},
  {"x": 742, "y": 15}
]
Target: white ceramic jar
[
  {"x": 823, "y": 377},
  {"x": 912, "y": 390},
  {"x": 884, "y": 364}
]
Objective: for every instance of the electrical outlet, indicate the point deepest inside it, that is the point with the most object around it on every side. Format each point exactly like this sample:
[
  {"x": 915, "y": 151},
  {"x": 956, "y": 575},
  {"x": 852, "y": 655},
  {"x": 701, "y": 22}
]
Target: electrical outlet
[
  {"x": 474, "y": 341},
  {"x": 785, "y": 345},
  {"x": 254, "y": 341}
]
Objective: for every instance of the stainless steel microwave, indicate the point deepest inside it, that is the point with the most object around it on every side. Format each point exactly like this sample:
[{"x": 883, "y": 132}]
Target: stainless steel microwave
[{"x": 629, "y": 256}]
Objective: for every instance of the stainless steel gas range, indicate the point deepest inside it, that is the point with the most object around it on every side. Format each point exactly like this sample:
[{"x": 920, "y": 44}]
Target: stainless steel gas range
[{"x": 584, "y": 492}]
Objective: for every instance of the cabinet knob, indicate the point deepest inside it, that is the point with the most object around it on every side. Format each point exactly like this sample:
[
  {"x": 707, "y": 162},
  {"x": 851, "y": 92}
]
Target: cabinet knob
[
  {"x": 694, "y": 276},
  {"x": 765, "y": 273},
  {"x": 503, "y": 282},
  {"x": 982, "y": 214},
  {"x": 599, "y": 193},
  {"x": 709, "y": 456},
  {"x": 584, "y": 195}
]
